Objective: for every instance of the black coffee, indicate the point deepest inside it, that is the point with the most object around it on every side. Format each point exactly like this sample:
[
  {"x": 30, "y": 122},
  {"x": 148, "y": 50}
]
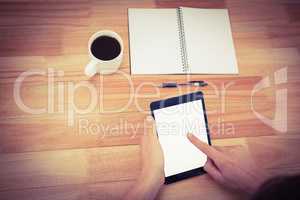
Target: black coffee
[{"x": 105, "y": 48}]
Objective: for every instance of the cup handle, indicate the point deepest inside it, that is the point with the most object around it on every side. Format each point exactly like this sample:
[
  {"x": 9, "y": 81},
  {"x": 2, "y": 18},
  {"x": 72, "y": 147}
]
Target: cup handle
[{"x": 91, "y": 69}]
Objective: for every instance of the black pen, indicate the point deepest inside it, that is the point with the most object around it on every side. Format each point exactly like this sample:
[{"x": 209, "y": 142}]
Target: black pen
[{"x": 190, "y": 83}]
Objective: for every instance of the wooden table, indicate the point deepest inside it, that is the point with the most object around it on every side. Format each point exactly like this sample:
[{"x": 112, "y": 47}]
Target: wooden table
[{"x": 50, "y": 150}]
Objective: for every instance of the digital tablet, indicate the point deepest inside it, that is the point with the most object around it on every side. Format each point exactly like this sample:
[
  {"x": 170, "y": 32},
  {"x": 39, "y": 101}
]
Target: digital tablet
[{"x": 174, "y": 118}]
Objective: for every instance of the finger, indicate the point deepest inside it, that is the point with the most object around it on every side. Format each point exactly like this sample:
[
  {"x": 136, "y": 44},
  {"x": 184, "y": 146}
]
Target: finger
[
  {"x": 205, "y": 148},
  {"x": 148, "y": 128},
  {"x": 149, "y": 124},
  {"x": 218, "y": 148},
  {"x": 224, "y": 149},
  {"x": 143, "y": 144},
  {"x": 151, "y": 130},
  {"x": 213, "y": 171}
]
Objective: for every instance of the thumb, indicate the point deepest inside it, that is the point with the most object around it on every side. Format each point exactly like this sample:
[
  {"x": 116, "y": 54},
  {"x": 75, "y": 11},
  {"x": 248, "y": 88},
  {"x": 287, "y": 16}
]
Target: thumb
[{"x": 149, "y": 125}]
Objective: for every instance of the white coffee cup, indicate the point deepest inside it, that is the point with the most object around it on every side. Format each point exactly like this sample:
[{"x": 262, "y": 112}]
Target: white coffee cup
[{"x": 103, "y": 66}]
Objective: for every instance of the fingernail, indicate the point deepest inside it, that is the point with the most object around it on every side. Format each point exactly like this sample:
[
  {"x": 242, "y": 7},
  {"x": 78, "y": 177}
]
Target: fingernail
[{"x": 189, "y": 135}]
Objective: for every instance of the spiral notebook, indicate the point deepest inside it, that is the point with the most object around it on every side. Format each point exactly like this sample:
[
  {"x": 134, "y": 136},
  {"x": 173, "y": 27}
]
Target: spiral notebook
[{"x": 181, "y": 41}]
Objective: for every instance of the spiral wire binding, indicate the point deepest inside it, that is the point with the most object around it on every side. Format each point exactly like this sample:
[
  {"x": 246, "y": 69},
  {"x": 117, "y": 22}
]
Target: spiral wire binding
[{"x": 182, "y": 41}]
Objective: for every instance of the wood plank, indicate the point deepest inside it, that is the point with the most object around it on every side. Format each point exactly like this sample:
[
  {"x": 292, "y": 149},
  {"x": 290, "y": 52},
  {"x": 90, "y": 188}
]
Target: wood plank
[
  {"x": 65, "y": 167},
  {"x": 54, "y": 34},
  {"x": 95, "y": 173},
  {"x": 190, "y": 189},
  {"x": 118, "y": 117}
]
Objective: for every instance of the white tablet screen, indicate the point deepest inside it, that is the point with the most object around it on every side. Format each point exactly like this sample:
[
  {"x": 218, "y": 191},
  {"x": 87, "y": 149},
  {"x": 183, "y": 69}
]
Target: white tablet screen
[{"x": 172, "y": 124}]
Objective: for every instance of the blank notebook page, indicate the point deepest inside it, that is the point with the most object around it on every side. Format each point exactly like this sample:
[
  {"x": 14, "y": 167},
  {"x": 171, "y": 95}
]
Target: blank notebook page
[
  {"x": 154, "y": 43},
  {"x": 209, "y": 43}
]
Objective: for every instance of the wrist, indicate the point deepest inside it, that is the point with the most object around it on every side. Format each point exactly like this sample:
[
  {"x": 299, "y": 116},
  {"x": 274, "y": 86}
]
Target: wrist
[
  {"x": 146, "y": 187},
  {"x": 256, "y": 182},
  {"x": 152, "y": 178}
]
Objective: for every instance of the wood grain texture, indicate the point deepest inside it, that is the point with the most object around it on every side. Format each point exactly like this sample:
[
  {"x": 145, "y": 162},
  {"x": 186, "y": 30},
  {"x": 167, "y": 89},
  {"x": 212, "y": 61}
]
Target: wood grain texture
[{"x": 42, "y": 156}]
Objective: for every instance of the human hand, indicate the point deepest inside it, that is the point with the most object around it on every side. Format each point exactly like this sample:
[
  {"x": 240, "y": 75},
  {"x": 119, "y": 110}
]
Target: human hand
[
  {"x": 228, "y": 170},
  {"x": 152, "y": 155},
  {"x": 152, "y": 175}
]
